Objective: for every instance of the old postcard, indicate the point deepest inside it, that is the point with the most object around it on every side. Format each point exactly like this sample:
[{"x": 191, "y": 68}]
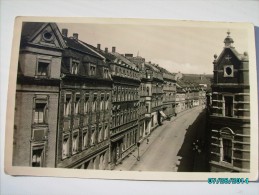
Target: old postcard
[{"x": 133, "y": 99}]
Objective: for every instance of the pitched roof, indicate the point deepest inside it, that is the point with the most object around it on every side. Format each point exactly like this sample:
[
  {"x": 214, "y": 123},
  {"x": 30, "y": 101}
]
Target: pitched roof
[
  {"x": 75, "y": 44},
  {"x": 29, "y": 28}
]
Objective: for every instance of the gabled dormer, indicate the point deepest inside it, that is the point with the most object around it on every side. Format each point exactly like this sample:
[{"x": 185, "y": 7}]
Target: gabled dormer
[
  {"x": 41, "y": 50},
  {"x": 229, "y": 65}
]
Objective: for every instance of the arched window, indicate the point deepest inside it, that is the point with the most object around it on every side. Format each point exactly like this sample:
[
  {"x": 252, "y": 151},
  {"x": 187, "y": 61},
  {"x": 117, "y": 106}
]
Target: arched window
[{"x": 226, "y": 143}]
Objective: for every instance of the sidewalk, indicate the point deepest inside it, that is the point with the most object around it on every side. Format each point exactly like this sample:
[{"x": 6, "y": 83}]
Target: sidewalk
[{"x": 131, "y": 159}]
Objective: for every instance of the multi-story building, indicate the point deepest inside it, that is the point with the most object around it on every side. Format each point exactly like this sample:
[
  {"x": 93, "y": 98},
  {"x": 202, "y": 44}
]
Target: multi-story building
[
  {"x": 37, "y": 95},
  {"x": 154, "y": 100},
  {"x": 84, "y": 107},
  {"x": 125, "y": 105},
  {"x": 230, "y": 113},
  {"x": 169, "y": 89}
]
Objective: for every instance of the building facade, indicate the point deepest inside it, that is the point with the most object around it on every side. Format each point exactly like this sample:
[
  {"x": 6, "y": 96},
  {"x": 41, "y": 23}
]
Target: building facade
[
  {"x": 230, "y": 112},
  {"x": 37, "y": 95}
]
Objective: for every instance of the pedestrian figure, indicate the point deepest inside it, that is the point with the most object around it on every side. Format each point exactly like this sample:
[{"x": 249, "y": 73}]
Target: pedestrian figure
[{"x": 147, "y": 140}]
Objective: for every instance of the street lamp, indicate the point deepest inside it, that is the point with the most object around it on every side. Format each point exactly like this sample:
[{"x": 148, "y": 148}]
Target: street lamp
[{"x": 138, "y": 144}]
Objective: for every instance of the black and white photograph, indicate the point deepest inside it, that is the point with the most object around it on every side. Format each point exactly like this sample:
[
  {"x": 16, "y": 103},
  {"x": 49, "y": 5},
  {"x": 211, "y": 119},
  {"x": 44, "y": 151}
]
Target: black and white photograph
[{"x": 132, "y": 96}]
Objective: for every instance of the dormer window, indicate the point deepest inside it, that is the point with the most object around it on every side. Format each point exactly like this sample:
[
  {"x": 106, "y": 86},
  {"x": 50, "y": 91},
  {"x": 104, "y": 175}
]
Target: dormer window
[
  {"x": 105, "y": 73},
  {"x": 74, "y": 67},
  {"x": 92, "y": 71},
  {"x": 228, "y": 71}
]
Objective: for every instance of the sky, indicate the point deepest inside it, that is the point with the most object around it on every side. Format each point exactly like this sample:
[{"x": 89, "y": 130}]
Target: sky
[{"x": 186, "y": 49}]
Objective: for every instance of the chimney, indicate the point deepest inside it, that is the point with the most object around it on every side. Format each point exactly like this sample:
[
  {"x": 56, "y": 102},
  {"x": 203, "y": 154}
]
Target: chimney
[
  {"x": 64, "y": 32},
  {"x": 75, "y": 35},
  {"x": 99, "y": 46},
  {"x": 113, "y": 49},
  {"x": 106, "y": 49}
]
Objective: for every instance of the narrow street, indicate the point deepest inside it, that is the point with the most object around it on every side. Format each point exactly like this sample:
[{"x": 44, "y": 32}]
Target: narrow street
[{"x": 170, "y": 146}]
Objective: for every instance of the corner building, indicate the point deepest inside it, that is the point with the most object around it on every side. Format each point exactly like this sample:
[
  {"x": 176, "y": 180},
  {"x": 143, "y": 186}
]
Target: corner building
[
  {"x": 37, "y": 95},
  {"x": 230, "y": 113}
]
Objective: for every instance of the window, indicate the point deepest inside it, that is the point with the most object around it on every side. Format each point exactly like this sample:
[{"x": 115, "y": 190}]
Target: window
[
  {"x": 77, "y": 104},
  {"x": 86, "y": 103},
  {"x": 106, "y": 73},
  {"x": 85, "y": 139},
  {"x": 74, "y": 67},
  {"x": 227, "y": 150},
  {"x": 105, "y": 131},
  {"x": 65, "y": 147},
  {"x": 67, "y": 105},
  {"x": 75, "y": 140},
  {"x": 100, "y": 134},
  {"x": 43, "y": 69},
  {"x": 40, "y": 113},
  {"x": 228, "y": 71},
  {"x": 94, "y": 103},
  {"x": 92, "y": 70},
  {"x": 228, "y": 106},
  {"x": 93, "y": 136},
  {"x": 102, "y": 102},
  {"x": 107, "y": 101},
  {"x": 37, "y": 156}
]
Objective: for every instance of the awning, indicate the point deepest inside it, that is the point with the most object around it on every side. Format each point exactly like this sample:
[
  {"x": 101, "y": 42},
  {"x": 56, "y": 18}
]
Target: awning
[{"x": 163, "y": 114}]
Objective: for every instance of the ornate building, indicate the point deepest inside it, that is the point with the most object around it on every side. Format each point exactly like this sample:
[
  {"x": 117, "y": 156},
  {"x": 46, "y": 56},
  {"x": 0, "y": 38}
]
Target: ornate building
[
  {"x": 230, "y": 113},
  {"x": 37, "y": 95}
]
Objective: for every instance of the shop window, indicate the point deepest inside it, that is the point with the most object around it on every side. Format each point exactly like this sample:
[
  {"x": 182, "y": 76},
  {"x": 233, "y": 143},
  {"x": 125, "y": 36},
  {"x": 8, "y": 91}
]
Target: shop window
[{"x": 94, "y": 103}]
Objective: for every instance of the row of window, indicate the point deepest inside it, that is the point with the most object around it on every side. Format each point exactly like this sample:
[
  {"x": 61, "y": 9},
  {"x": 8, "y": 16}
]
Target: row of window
[
  {"x": 119, "y": 118},
  {"x": 90, "y": 103},
  {"x": 125, "y": 72},
  {"x": 125, "y": 94},
  {"x": 90, "y": 137}
]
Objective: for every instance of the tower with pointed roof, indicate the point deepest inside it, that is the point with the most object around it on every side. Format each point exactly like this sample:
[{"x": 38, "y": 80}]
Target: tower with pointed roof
[{"x": 230, "y": 115}]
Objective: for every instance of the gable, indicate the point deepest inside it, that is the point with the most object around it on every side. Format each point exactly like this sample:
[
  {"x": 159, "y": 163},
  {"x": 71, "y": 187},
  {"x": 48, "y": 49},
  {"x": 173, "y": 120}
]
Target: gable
[
  {"x": 228, "y": 57},
  {"x": 47, "y": 35}
]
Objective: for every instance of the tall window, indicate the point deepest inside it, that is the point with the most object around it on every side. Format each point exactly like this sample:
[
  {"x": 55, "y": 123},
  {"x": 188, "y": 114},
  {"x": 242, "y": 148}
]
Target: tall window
[
  {"x": 94, "y": 103},
  {"x": 77, "y": 104},
  {"x": 75, "y": 141},
  {"x": 67, "y": 105},
  {"x": 92, "y": 70},
  {"x": 93, "y": 135},
  {"x": 74, "y": 67},
  {"x": 227, "y": 150},
  {"x": 65, "y": 147},
  {"x": 40, "y": 113},
  {"x": 42, "y": 69},
  {"x": 107, "y": 101},
  {"x": 106, "y": 73},
  {"x": 37, "y": 156},
  {"x": 85, "y": 139},
  {"x": 102, "y": 102},
  {"x": 105, "y": 131},
  {"x": 86, "y": 103},
  {"x": 228, "y": 106},
  {"x": 100, "y": 133}
]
